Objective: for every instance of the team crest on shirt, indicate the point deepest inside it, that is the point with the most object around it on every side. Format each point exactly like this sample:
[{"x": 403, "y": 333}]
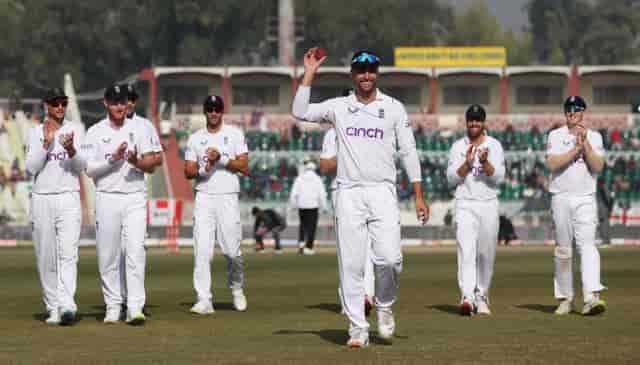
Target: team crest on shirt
[{"x": 381, "y": 113}]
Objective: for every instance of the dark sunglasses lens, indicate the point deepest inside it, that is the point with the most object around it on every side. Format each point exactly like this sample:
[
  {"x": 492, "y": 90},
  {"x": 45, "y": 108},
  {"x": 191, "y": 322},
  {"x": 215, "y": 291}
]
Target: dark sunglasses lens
[
  {"x": 362, "y": 68},
  {"x": 57, "y": 104},
  {"x": 211, "y": 109}
]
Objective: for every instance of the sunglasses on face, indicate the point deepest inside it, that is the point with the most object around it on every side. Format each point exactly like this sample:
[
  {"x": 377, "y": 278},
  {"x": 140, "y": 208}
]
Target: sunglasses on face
[
  {"x": 211, "y": 109},
  {"x": 366, "y": 57},
  {"x": 362, "y": 68},
  {"x": 56, "y": 104},
  {"x": 117, "y": 102}
]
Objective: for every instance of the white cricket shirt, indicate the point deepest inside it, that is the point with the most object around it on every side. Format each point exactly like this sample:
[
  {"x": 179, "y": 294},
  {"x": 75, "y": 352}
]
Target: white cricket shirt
[
  {"x": 476, "y": 185},
  {"x": 330, "y": 150},
  {"x": 574, "y": 179},
  {"x": 368, "y": 135},
  {"x": 229, "y": 140},
  {"x": 308, "y": 191},
  {"x": 101, "y": 142},
  {"x": 152, "y": 132},
  {"x": 53, "y": 171}
]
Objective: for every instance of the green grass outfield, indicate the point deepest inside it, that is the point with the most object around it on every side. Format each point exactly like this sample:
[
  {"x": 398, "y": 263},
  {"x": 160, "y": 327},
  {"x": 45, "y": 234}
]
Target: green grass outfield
[{"x": 293, "y": 316}]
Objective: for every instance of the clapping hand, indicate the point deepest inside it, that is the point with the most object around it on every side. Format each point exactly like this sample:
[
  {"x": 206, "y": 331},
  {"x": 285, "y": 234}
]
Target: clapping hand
[
  {"x": 120, "y": 152},
  {"x": 66, "y": 140},
  {"x": 483, "y": 155},
  {"x": 471, "y": 155}
]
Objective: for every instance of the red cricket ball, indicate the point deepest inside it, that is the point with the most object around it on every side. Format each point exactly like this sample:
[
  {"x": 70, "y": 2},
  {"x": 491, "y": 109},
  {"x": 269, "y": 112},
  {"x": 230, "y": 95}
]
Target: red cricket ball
[{"x": 320, "y": 53}]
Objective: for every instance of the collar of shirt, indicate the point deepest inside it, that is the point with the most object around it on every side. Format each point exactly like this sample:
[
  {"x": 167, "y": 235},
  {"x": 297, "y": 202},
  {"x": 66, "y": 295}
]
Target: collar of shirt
[{"x": 380, "y": 97}]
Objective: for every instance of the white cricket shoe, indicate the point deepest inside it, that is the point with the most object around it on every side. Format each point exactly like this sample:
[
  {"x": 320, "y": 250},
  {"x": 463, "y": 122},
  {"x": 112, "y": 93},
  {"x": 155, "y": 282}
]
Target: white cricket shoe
[
  {"x": 565, "y": 307},
  {"x": 386, "y": 323},
  {"x": 308, "y": 251},
  {"x": 54, "y": 318},
  {"x": 483, "y": 307},
  {"x": 135, "y": 317},
  {"x": 278, "y": 251},
  {"x": 359, "y": 340},
  {"x": 239, "y": 300},
  {"x": 112, "y": 315},
  {"x": 202, "y": 307}
]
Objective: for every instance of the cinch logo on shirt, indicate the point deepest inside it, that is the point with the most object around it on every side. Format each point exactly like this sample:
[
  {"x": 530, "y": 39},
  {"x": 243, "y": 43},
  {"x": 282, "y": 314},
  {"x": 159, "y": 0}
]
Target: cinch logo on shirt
[
  {"x": 60, "y": 156},
  {"x": 375, "y": 133}
]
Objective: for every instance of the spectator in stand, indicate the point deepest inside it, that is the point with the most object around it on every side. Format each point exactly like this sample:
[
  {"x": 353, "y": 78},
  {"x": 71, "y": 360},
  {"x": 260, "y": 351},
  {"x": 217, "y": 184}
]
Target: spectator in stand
[
  {"x": 604, "y": 200},
  {"x": 16, "y": 173},
  {"x": 616, "y": 139}
]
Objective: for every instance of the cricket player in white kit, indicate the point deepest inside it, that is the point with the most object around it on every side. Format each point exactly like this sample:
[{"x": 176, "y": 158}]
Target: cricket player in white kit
[
  {"x": 575, "y": 155},
  {"x": 476, "y": 168},
  {"x": 214, "y": 157},
  {"x": 370, "y": 127},
  {"x": 328, "y": 166},
  {"x": 119, "y": 153},
  {"x": 56, "y": 165}
]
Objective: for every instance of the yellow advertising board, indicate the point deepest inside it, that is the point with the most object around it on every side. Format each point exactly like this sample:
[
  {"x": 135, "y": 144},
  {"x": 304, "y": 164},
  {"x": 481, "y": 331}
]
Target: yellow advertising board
[{"x": 450, "y": 56}]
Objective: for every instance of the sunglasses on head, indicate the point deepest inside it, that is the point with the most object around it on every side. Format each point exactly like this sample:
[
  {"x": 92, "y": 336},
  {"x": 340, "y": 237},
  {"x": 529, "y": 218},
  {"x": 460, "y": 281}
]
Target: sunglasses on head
[
  {"x": 366, "y": 57},
  {"x": 211, "y": 109},
  {"x": 58, "y": 103}
]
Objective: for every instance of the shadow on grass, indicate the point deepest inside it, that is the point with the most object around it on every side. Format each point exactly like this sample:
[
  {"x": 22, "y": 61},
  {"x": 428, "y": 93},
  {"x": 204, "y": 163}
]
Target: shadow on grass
[
  {"x": 447, "y": 308},
  {"x": 538, "y": 307},
  {"x": 337, "y": 337},
  {"x": 225, "y": 306},
  {"x": 329, "y": 307}
]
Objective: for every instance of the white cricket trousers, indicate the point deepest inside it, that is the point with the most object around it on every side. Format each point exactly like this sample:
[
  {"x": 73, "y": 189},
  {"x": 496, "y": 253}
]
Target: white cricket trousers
[
  {"x": 369, "y": 277},
  {"x": 57, "y": 219},
  {"x": 477, "y": 223},
  {"x": 121, "y": 223},
  {"x": 216, "y": 218},
  {"x": 575, "y": 218},
  {"x": 367, "y": 215}
]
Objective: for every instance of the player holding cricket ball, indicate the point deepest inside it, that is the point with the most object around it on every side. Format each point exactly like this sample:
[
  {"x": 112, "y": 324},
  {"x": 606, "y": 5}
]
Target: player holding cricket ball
[{"x": 370, "y": 127}]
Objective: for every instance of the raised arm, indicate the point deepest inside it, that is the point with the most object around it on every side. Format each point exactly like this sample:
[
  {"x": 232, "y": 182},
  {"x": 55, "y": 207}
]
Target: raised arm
[{"x": 301, "y": 108}]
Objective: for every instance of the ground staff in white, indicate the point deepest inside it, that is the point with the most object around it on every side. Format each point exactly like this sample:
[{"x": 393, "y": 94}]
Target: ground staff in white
[
  {"x": 214, "y": 157},
  {"x": 575, "y": 156},
  {"x": 371, "y": 127},
  {"x": 476, "y": 168},
  {"x": 328, "y": 166},
  {"x": 308, "y": 195},
  {"x": 55, "y": 164},
  {"x": 118, "y": 155}
]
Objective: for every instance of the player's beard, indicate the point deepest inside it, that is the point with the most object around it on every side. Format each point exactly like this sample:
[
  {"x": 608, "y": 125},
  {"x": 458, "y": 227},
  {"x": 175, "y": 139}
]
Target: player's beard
[{"x": 475, "y": 133}]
